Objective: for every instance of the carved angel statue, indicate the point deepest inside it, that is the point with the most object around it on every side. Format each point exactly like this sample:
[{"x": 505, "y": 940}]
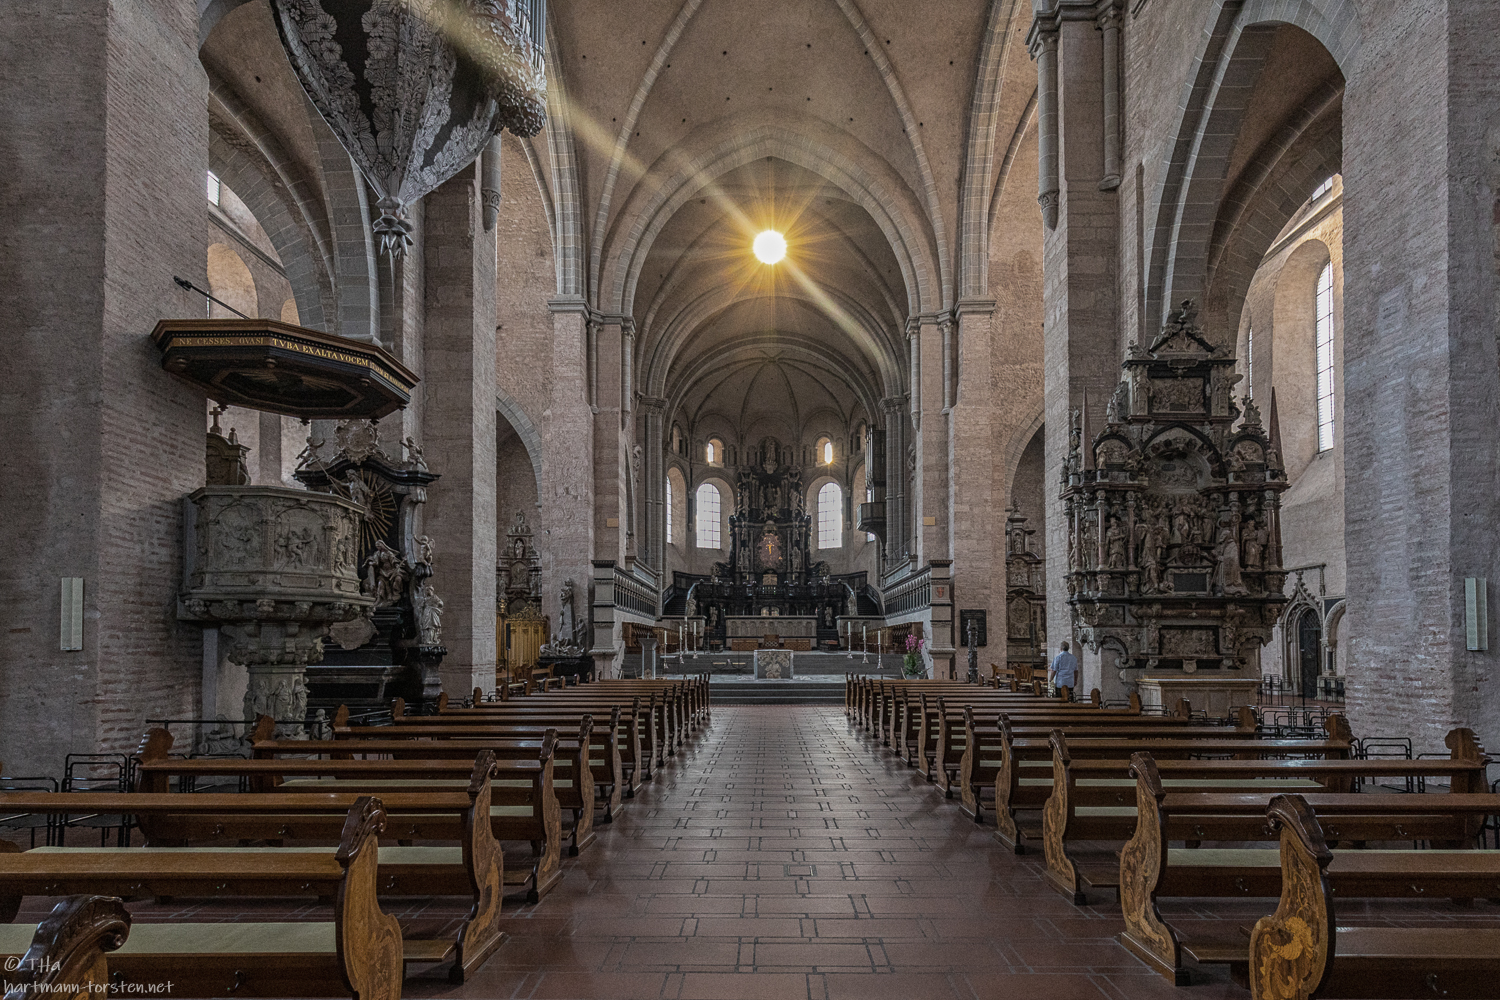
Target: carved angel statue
[
  {"x": 309, "y": 454},
  {"x": 358, "y": 491},
  {"x": 385, "y": 575},
  {"x": 429, "y": 608},
  {"x": 424, "y": 550},
  {"x": 414, "y": 455}
]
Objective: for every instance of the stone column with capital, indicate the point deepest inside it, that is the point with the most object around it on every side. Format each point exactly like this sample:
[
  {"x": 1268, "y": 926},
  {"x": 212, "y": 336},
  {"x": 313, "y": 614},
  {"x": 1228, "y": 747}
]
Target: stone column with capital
[{"x": 459, "y": 424}]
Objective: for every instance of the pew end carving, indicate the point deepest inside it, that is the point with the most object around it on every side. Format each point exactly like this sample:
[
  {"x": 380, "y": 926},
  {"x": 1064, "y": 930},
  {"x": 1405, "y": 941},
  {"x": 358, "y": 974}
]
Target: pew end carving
[
  {"x": 1291, "y": 950},
  {"x": 69, "y": 951}
]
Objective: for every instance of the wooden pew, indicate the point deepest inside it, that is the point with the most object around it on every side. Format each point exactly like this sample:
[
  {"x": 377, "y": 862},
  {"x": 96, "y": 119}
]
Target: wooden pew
[
  {"x": 945, "y": 736},
  {"x": 910, "y": 719},
  {"x": 1089, "y": 801},
  {"x": 476, "y": 867},
  {"x": 358, "y": 954},
  {"x": 1150, "y": 869},
  {"x": 641, "y": 739},
  {"x": 919, "y": 731},
  {"x": 1023, "y": 779},
  {"x": 524, "y": 804},
  {"x": 573, "y": 782},
  {"x": 683, "y": 704},
  {"x": 982, "y": 760},
  {"x": 1300, "y": 951},
  {"x": 634, "y": 731},
  {"x": 69, "y": 950}
]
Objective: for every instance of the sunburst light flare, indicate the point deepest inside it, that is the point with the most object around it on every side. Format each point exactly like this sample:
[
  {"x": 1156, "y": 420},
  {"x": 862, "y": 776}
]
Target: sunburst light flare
[{"x": 770, "y": 247}]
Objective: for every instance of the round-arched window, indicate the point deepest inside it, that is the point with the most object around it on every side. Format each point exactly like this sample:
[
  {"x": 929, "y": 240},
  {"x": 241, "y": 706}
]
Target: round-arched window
[
  {"x": 710, "y": 505},
  {"x": 830, "y": 516}
]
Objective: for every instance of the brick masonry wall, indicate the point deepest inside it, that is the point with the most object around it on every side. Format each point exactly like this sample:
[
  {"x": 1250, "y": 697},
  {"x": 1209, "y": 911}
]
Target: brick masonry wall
[
  {"x": 1420, "y": 369},
  {"x": 105, "y": 107},
  {"x": 459, "y": 421}
]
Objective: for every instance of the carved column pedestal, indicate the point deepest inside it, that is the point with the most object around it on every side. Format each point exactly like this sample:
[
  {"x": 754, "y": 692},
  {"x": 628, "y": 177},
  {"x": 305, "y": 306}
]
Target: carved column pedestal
[{"x": 428, "y": 659}]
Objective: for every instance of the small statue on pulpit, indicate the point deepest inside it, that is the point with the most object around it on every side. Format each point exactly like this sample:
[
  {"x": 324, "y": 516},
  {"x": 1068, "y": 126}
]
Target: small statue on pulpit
[{"x": 385, "y": 575}]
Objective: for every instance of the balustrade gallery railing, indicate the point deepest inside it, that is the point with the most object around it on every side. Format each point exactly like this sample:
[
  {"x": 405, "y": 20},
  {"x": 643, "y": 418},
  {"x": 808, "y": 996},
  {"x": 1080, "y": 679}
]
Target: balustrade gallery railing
[
  {"x": 912, "y": 594},
  {"x": 633, "y": 595}
]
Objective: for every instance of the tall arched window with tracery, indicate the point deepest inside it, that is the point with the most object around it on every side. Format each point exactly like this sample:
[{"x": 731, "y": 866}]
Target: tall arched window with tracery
[
  {"x": 709, "y": 508},
  {"x": 830, "y": 516},
  {"x": 1325, "y": 357},
  {"x": 670, "y": 500}
]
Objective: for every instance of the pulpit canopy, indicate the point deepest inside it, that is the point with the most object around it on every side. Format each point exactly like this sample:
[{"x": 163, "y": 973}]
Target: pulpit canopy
[{"x": 281, "y": 368}]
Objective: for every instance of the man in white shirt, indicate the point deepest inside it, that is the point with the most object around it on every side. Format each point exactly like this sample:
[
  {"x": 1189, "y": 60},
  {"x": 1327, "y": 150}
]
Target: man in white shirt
[{"x": 1064, "y": 670}]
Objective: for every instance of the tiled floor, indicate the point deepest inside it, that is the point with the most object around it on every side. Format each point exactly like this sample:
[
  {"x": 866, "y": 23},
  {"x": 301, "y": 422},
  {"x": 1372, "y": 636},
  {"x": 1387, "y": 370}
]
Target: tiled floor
[{"x": 779, "y": 857}]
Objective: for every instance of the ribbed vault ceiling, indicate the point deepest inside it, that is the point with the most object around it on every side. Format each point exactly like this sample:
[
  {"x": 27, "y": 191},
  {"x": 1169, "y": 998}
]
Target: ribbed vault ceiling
[{"x": 850, "y": 115}]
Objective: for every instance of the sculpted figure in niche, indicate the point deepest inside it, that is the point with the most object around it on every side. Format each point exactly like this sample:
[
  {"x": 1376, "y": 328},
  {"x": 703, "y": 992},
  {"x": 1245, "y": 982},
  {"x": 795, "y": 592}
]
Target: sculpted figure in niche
[
  {"x": 429, "y": 615},
  {"x": 1086, "y": 542},
  {"x": 1114, "y": 544},
  {"x": 385, "y": 575},
  {"x": 1119, "y": 404},
  {"x": 1153, "y": 546},
  {"x": 1227, "y": 579},
  {"x": 565, "y": 627},
  {"x": 1256, "y": 538}
]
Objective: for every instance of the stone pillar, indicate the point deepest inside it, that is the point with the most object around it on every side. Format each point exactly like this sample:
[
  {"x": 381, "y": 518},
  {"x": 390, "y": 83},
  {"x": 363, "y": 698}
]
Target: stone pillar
[
  {"x": 896, "y": 519},
  {"x": 1081, "y": 316},
  {"x": 567, "y": 491},
  {"x": 651, "y": 524},
  {"x": 610, "y": 464},
  {"x": 929, "y": 416},
  {"x": 1420, "y": 370},
  {"x": 103, "y": 204},
  {"x": 460, "y": 428},
  {"x": 976, "y": 496}
]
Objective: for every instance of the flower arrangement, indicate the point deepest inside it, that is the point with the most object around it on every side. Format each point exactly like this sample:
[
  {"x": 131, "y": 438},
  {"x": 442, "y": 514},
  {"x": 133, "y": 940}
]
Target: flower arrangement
[{"x": 912, "y": 661}]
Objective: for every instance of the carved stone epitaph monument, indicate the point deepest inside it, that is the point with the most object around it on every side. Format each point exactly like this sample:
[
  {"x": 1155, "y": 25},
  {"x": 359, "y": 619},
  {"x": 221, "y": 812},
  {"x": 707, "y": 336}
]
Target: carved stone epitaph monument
[{"x": 1174, "y": 538}]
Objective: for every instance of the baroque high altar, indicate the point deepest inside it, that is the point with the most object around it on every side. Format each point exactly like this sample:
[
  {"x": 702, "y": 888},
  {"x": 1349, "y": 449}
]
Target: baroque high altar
[
  {"x": 1174, "y": 534},
  {"x": 770, "y": 569}
]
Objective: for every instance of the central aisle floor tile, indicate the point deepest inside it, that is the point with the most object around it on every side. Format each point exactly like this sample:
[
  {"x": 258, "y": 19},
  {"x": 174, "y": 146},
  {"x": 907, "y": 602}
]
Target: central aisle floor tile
[{"x": 779, "y": 856}]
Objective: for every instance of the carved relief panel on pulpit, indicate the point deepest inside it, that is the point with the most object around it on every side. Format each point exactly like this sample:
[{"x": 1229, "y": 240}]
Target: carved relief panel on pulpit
[{"x": 1173, "y": 512}]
